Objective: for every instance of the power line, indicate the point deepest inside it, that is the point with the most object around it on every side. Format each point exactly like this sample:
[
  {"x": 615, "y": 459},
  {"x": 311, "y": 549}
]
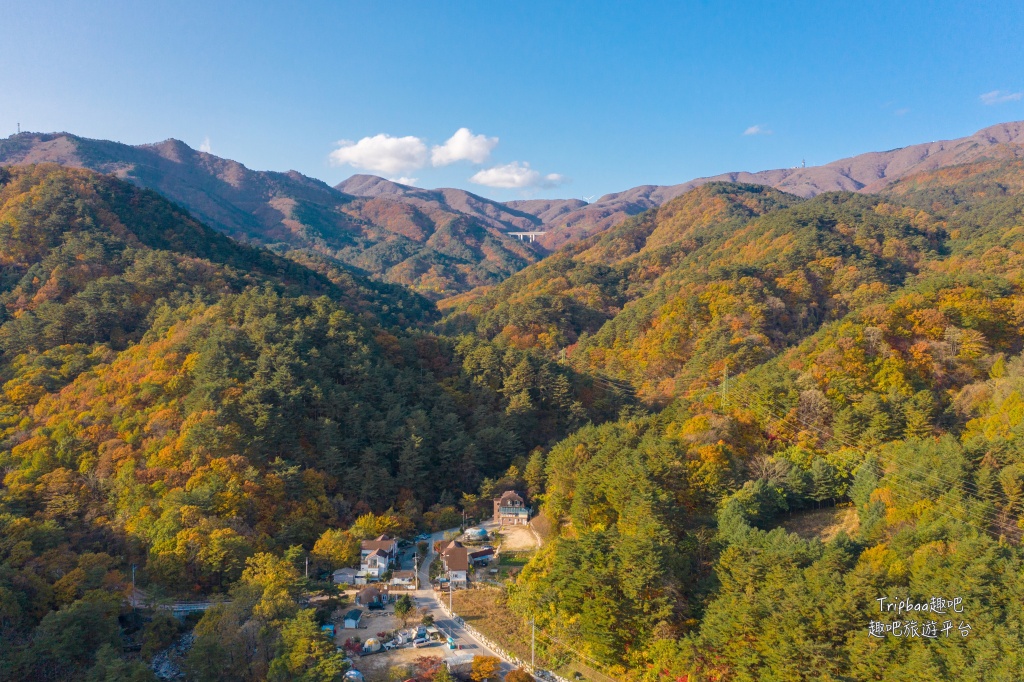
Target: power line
[{"x": 555, "y": 641}]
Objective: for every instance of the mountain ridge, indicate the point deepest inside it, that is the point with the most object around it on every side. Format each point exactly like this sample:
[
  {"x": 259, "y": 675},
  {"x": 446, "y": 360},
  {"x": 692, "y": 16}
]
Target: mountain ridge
[
  {"x": 444, "y": 241},
  {"x": 570, "y": 220},
  {"x": 868, "y": 172},
  {"x": 438, "y": 244},
  {"x": 493, "y": 213}
]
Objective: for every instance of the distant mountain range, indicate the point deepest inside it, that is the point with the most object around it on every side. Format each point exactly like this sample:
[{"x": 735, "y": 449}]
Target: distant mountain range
[
  {"x": 443, "y": 241},
  {"x": 863, "y": 173},
  {"x": 438, "y": 243}
]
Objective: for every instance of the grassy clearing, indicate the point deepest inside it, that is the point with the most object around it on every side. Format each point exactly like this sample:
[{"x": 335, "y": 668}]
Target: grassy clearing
[
  {"x": 514, "y": 559},
  {"x": 544, "y": 527},
  {"x": 824, "y": 524},
  {"x": 486, "y": 611}
]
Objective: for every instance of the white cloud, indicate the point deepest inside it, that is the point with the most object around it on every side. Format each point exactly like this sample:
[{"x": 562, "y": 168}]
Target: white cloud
[
  {"x": 516, "y": 175},
  {"x": 404, "y": 180},
  {"x": 382, "y": 153},
  {"x": 902, "y": 112},
  {"x": 205, "y": 146},
  {"x": 1000, "y": 97},
  {"x": 463, "y": 146},
  {"x": 759, "y": 129}
]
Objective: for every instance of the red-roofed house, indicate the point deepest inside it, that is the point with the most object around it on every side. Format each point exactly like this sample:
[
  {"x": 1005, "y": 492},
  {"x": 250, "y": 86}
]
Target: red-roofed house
[{"x": 481, "y": 557}]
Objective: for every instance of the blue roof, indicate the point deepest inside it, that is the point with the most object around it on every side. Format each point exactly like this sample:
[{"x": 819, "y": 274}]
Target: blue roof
[{"x": 354, "y": 614}]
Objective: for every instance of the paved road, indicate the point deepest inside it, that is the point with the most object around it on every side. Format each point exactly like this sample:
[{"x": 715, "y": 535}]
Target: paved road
[{"x": 427, "y": 598}]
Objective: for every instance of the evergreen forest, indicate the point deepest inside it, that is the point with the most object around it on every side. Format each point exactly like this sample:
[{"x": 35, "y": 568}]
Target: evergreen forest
[{"x": 681, "y": 397}]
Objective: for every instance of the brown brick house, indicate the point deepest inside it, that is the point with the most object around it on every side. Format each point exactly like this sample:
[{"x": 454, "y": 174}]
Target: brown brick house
[{"x": 510, "y": 509}]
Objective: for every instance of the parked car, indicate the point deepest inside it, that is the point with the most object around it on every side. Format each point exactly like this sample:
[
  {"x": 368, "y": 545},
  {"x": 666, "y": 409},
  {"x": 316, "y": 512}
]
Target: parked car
[
  {"x": 375, "y": 606},
  {"x": 391, "y": 645},
  {"x": 421, "y": 642}
]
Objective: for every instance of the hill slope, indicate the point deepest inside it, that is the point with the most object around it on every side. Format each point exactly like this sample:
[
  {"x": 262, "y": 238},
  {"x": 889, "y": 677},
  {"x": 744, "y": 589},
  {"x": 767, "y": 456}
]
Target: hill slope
[
  {"x": 435, "y": 244},
  {"x": 728, "y": 275},
  {"x": 725, "y": 275},
  {"x": 175, "y": 402},
  {"x": 445, "y": 241},
  {"x": 874, "y": 343}
]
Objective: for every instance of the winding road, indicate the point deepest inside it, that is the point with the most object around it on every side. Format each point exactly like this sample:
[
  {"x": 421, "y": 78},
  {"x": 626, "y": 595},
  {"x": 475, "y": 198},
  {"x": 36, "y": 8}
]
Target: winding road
[{"x": 431, "y": 600}]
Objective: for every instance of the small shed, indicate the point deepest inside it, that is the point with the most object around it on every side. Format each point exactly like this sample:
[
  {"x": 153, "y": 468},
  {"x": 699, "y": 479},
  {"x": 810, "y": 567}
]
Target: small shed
[
  {"x": 463, "y": 663},
  {"x": 352, "y": 618}
]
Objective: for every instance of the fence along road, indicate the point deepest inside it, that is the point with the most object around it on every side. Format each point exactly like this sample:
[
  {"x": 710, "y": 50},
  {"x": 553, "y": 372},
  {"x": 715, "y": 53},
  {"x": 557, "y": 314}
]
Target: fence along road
[{"x": 455, "y": 625}]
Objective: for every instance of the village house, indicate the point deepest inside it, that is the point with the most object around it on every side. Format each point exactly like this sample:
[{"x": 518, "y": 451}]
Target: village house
[
  {"x": 455, "y": 559},
  {"x": 376, "y": 557},
  {"x": 510, "y": 509},
  {"x": 481, "y": 557},
  {"x": 369, "y": 596},
  {"x": 404, "y": 580},
  {"x": 345, "y": 576}
]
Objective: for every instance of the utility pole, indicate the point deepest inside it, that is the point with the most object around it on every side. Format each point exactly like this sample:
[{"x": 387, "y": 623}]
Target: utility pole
[
  {"x": 450, "y": 597},
  {"x": 307, "y": 567},
  {"x": 135, "y": 597},
  {"x": 533, "y": 644},
  {"x": 416, "y": 566}
]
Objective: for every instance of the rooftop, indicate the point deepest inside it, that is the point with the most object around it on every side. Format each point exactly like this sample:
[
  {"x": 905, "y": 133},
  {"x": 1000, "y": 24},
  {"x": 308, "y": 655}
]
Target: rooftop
[
  {"x": 509, "y": 496},
  {"x": 457, "y": 559},
  {"x": 383, "y": 543},
  {"x": 369, "y": 593}
]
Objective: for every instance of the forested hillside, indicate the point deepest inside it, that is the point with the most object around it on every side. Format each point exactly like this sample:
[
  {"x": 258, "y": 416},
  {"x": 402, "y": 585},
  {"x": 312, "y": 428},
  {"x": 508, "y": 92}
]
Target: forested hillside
[
  {"x": 435, "y": 244},
  {"x": 201, "y": 410},
  {"x": 723, "y": 277},
  {"x": 681, "y": 396},
  {"x": 873, "y": 352}
]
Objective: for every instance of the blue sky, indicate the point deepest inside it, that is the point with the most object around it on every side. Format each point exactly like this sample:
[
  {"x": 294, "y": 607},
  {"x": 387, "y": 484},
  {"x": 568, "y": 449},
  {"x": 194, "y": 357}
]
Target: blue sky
[{"x": 584, "y": 98}]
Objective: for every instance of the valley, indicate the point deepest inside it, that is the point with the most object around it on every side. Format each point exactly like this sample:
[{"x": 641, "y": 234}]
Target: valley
[{"x": 732, "y": 414}]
